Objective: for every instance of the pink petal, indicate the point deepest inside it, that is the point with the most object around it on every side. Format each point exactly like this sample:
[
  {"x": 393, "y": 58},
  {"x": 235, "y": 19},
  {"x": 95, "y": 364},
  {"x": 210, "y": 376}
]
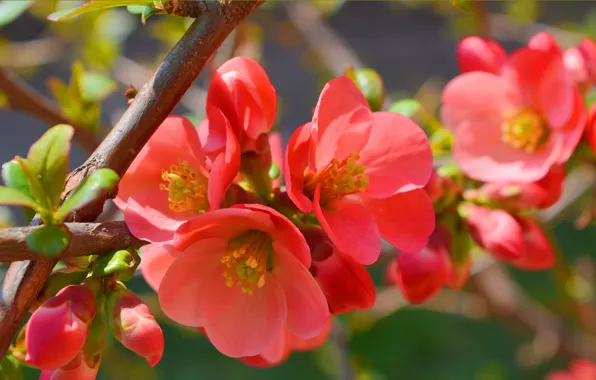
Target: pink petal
[
  {"x": 149, "y": 217},
  {"x": 295, "y": 164},
  {"x": 155, "y": 262},
  {"x": 308, "y": 312},
  {"x": 342, "y": 119},
  {"x": 277, "y": 155},
  {"x": 224, "y": 224},
  {"x": 175, "y": 139},
  {"x": 406, "y": 220},
  {"x": 397, "y": 156},
  {"x": 278, "y": 351},
  {"x": 570, "y": 135},
  {"x": 480, "y": 54},
  {"x": 483, "y": 156},
  {"x": 544, "y": 41},
  {"x": 351, "y": 227}
]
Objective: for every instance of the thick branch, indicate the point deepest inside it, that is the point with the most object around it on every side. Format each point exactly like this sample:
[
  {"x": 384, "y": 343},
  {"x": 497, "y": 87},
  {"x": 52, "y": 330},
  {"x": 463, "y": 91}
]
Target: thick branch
[
  {"x": 85, "y": 239},
  {"x": 24, "y": 98},
  {"x": 24, "y": 280}
]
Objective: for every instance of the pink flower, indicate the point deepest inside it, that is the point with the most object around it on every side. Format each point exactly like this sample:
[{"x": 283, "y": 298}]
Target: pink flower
[
  {"x": 78, "y": 369},
  {"x": 362, "y": 174},
  {"x": 580, "y": 61},
  {"x": 423, "y": 274},
  {"x": 480, "y": 54},
  {"x": 539, "y": 254},
  {"x": 241, "y": 90},
  {"x": 134, "y": 326},
  {"x": 496, "y": 231},
  {"x": 171, "y": 181},
  {"x": 591, "y": 128},
  {"x": 580, "y": 369},
  {"x": 242, "y": 274},
  {"x": 56, "y": 332},
  {"x": 515, "y": 125}
]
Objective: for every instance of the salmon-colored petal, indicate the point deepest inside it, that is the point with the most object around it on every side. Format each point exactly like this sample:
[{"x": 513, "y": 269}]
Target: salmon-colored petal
[
  {"x": 155, "y": 262},
  {"x": 176, "y": 139},
  {"x": 560, "y": 375},
  {"x": 307, "y": 307},
  {"x": 149, "y": 217},
  {"x": 421, "y": 275},
  {"x": 477, "y": 97},
  {"x": 351, "y": 227},
  {"x": 480, "y": 54},
  {"x": 224, "y": 224},
  {"x": 539, "y": 254},
  {"x": 397, "y": 156},
  {"x": 483, "y": 156},
  {"x": 544, "y": 41},
  {"x": 295, "y": 164},
  {"x": 301, "y": 344},
  {"x": 342, "y": 121},
  {"x": 284, "y": 233},
  {"x": 242, "y": 325},
  {"x": 181, "y": 288},
  {"x": 406, "y": 220},
  {"x": 570, "y": 135}
]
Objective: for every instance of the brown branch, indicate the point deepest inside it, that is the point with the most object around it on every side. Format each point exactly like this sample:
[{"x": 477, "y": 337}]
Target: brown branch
[
  {"x": 152, "y": 105},
  {"x": 24, "y": 98},
  {"x": 85, "y": 239}
]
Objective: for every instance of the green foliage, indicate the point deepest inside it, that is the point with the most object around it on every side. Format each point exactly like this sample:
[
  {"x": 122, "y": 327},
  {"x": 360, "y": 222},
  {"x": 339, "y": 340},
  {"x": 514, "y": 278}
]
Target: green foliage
[
  {"x": 89, "y": 189},
  {"x": 10, "y": 369},
  {"x": 371, "y": 85},
  {"x": 94, "y": 5},
  {"x": 119, "y": 263},
  {"x": 10, "y": 196},
  {"x": 406, "y": 107},
  {"x": 11, "y": 10},
  {"x": 48, "y": 240}
]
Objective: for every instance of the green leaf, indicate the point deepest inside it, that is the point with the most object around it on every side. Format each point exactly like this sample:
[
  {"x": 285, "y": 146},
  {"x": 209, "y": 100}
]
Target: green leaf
[
  {"x": 99, "y": 181},
  {"x": 136, "y": 9},
  {"x": 118, "y": 263},
  {"x": 14, "y": 177},
  {"x": 94, "y": 5},
  {"x": 10, "y": 369},
  {"x": 96, "y": 87},
  {"x": 13, "y": 197},
  {"x": 11, "y": 10},
  {"x": 406, "y": 107},
  {"x": 48, "y": 240},
  {"x": 47, "y": 163}
]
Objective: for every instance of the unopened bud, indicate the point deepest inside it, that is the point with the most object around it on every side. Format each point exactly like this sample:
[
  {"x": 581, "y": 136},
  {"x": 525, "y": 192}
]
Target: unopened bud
[
  {"x": 119, "y": 263},
  {"x": 59, "y": 279},
  {"x": 130, "y": 94},
  {"x": 371, "y": 85},
  {"x": 81, "y": 368}
]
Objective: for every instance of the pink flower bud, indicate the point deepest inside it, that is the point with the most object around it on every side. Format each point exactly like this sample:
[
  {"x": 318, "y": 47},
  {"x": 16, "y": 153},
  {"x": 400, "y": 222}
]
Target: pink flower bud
[
  {"x": 544, "y": 41},
  {"x": 580, "y": 61},
  {"x": 480, "y": 54},
  {"x": 539, "y": 254},
  {"x": 496, "y": 231},
  {"x": 79, "y": 369},
  {"x": 57, "y": 330},
  {"x": 134, "y": 326}
]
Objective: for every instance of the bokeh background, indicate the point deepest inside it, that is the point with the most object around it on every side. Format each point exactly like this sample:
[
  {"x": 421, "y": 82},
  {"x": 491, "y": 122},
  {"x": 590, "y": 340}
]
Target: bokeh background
[{"x": 411, "y": 44}]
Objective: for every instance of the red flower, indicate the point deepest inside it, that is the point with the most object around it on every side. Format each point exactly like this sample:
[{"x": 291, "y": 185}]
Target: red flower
[
  {"x": 580, "y": 61},
  {"x": 580, "y": 369},
  {"x": 539, "y": 254},
  {"x": 79, "y": 369},
  {"x": 515, "y": 125},
  {"x": 480, "y": 54},
  {"x": 362, "y": 174}
]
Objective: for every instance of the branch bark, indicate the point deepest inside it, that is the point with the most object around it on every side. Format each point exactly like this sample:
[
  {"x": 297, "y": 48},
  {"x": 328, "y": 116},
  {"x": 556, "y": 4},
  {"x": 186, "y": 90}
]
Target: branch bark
[
  {"x": 158, "y": 97},
  {"x": 85, "y": 239},
  {"x": 24, "y": 98}
]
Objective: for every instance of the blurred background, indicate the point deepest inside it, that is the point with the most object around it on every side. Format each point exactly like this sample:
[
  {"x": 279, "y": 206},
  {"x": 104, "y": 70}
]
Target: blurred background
[{"x": 411, "y": 44}]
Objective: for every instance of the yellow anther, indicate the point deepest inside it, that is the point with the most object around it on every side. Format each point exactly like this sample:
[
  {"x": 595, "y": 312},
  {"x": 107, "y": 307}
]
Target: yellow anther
[
  {"x": 527, "y": 131},
  {"x": 247, "y": 261},
  {"x": 187, "y": 188}
]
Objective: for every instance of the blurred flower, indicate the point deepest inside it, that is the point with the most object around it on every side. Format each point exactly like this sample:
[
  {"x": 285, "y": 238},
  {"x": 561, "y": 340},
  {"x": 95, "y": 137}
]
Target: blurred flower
[
  {"x": 56, "y": 332},
  {"x": 579, "y": 369},
  {"x": 580, "y": 61},
  {"x": 132, "y": 323},
  {"x": 78, "y": 369},
  {"x": 242, "y": 274},
  {"x": 171, "y": 181},
  {"x": 591, "y": 128},
  {"x": 480, "y": 54},
  {"x": 538, "y": 253},
  {"x": 516, "y": 125},
  {"x": 361, "y": 173}
]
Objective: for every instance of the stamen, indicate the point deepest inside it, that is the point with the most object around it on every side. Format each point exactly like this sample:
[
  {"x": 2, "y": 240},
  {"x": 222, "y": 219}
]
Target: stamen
[
  {"x": 187, "y": 188},
  {"x": 248, "y": 260},
  {"x": 527, "y": 131}
]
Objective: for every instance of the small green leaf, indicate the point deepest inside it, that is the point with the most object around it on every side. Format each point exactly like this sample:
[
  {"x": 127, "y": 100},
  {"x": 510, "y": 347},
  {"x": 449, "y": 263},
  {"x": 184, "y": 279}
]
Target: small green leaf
[
  {"x": 95, "y": 87},
  {"x": 10, "y": 369},
  {"x": 99, "y": 181},
  {"x": 48, "y": 240},
  {"x": 93, "y": 5},
  {"x": 47, "y": 161},
  {"x": 11, "y": 10},
  {"x": 118, "y": 263},
  {"x": 14, "y": 177},
  {"x": 13, "y": 197},
  {"x": 406, "y": 107},
  {"x": 136, "y": 9}
]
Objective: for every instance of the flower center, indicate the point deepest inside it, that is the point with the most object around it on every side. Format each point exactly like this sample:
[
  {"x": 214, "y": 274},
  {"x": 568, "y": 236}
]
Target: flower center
[
  {"x": 249, "y": 258},
  {"x": 187, "y": 188},
  {"x": 339, "y": 178},
  {"x": 526, "y": 131}
]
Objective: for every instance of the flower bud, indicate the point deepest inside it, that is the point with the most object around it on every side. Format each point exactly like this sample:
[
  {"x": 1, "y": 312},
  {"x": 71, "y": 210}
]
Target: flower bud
[
  {"x": 79, "y": 369},
  {"x": 580, "y": 62},
  {"x": 590, "y": 132},
  {"x": 496, "y": 231},
  {"x": 255, "y": 165},
  {"x": 132, "y": 323},
  {"x": 119, "y": 263},
  {"x": 58, "y": 280},
  {"x": 56, "y": 332},
  {"x": 539, "y": 254},
  {"x": 544, "y": 41},
  {"x": 480, "y": 54},
  {"x": 371, "y": 85}
]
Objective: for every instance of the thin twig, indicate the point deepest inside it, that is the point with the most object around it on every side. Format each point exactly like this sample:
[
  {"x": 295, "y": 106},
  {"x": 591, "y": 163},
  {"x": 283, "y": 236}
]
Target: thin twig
[
  {"x": 85, "y": 239},
  {"x": 25, "y": 98},
  {"x": 154, "y": 102}
]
